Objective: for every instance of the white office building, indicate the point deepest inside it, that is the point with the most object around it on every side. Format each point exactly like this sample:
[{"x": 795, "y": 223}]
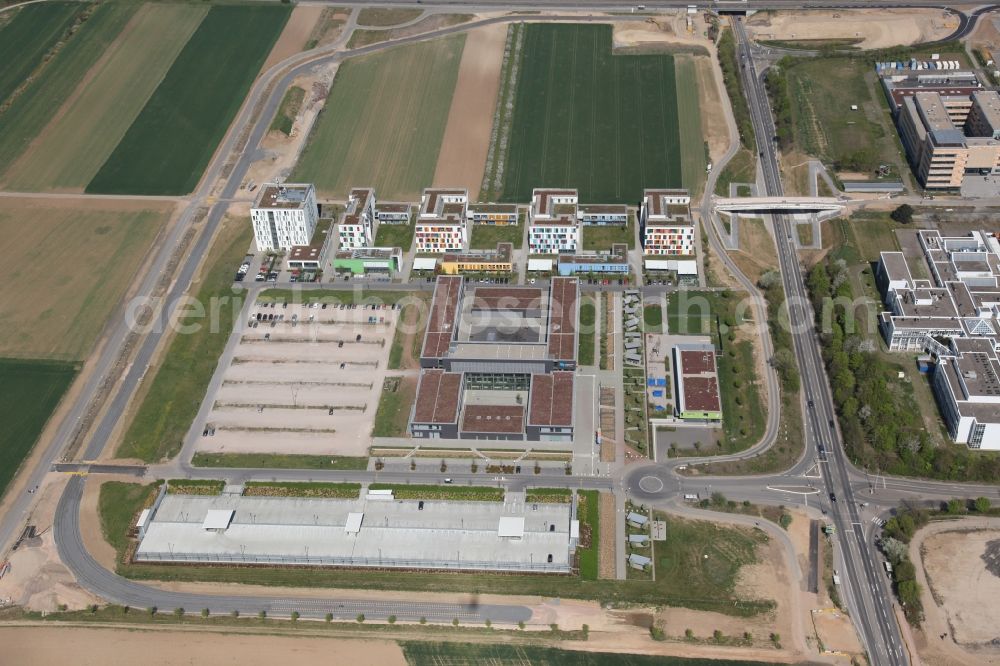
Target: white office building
[
  {"x": 284, "y": 216},
  {"x": 357, "y": 227}
]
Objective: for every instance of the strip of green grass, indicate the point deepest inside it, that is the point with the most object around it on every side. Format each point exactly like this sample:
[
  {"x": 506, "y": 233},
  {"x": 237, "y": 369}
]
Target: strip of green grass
[
  {"x": 548, "y": 495},
  {"x": 381, "y": 17},
  {"x": 195, "y": 486},
  {"x": 118, "y": 503},
  {"x": 589, "y": 515},
  {"x": 303, "y": 489},
  {"x": 585, "y": 335},
  {"x": 284, "y": 119},
  {"x": 37, "y": 104},
  {"x": 167, "y": 411},
  {"x": 28, "y": 37},
  {"x": 29, "y": 393},
  {"x": 432, "y": 492},
  {"x": 277, "y": 461},
  {"x": 425, "y": 653},
  {"x": 604, "y": 124},
  {"x": 335, "y": 296},
  {"x": 166, "y": 149},
  {"x": 394, "y": 409}
]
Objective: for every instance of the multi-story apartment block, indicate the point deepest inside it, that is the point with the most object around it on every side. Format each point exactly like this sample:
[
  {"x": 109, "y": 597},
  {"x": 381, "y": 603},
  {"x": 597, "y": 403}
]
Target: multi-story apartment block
[
  {"x": 554, "y": 226},
  {"x": 479, "y": 261},
  {"x": 442, "y": 225},
  {"x": 357, "y": 227},
  {"x": 493, "y": 214},
  {"x": 665, "y": 223},
  {"x": 284, "y": 216}
]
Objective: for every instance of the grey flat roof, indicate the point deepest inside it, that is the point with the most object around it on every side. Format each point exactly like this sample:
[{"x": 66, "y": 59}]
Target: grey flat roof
[{"x": 397, "y": 533}]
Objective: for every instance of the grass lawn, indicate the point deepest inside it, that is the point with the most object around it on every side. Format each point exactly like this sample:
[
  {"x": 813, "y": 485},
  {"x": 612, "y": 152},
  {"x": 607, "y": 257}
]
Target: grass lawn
[
  {"x": 284, "y": 119},
  {"x": 414, "y": 312},
  {"x": 605, "y": 124},
  {"x": 741, "y": 169},
  {"x": 277, "y": 461},
  {"x": 590, "y": 521},
  {"x": 118, "y": 504},
  {"x": 805, "y": 232},
  {"x": 178, "y": 385},
  {"x": 394, "y": 407},
  {"x": 195, "y": 486},
  {"x": 383, "y": 121},
  {"x": 26, "y": 39},
  {"x": 69, "y": 265},
  {"x": 302, "y": 489},
  {"x": 425, "y": 653},
  {"x": 79, "y": 140},
  {"x": 36, "y": 105},
  {"x": 693, "y": 149},
  {"x": 870, "y": 233},
  {"x": 29, "y": 393},
  {"x": 821, "y": 92},
  {"x": 337, "y": 296},
  {"x": 446, "y": 492},
  {"x": 548, "y": 495},
  {"x": 379, "y": 17},
  {"x": 394, "y": 235},
  {"x": 603, "y": 237},
  {"x": 585, "y": 336},
  {"x": 486, "y": 236},
  {"x": 652, "y": 317},
  {"x": 170, "y": 143}
]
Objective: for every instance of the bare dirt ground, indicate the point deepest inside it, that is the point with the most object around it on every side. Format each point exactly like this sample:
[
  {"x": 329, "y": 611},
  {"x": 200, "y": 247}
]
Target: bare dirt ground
[
  {"x": 987, "y": 34},
  {"x": 713, "y": 118},
  {"x": 309, "y": 387},
  {"x": 961, "y": 596},
  {"x": 280, "y": 152},
  {"x": 606, "y": 559},
  {"x": 877, "y": 28},
  {"x": 37, "y": 580},
  {"x": 100, "y": 646},
  {"x": 757, "y": 253},
  {"x": 297, "y": 31},
  {"x": 470, "y": 120}
]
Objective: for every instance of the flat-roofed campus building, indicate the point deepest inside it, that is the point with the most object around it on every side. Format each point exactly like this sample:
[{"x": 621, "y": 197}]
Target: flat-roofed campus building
[
  {"x": 358, "y": 225},
  {"x": 553, "y": 226},
  {"x": 369, "y": 260},
  {"x": 950, "y": 137},
  {"x": 314, "y": 255},
  {"x": 603, "y": 214},
  {"x": 696, "y": 382},
  {"x": 393, "y": 213},
  {"x": 614, "y": 262},
  {"x": 284, "y": 216},
  {"x": 378, "y": 532},
  {"x": 953, "y": 315},
  {"x": 479, "y": 261},
  {"x": 442, "y": 225},
  {"x": 665, "y": 223},
  {"x": 498, "y": 363}
]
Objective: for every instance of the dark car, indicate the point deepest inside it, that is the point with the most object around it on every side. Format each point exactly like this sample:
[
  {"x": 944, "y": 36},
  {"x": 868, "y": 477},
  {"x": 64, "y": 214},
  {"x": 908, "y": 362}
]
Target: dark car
[{"x": 833, "y": 497}]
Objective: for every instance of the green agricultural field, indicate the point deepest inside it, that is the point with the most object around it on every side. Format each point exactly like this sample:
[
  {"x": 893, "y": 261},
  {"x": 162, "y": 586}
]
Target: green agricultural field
[
  {"x": 75, "y": 145},
  {"x": 38, "y": 103},
  {"x": 693, "y": 151},
  {"x": 604, "y": 124},
  {"x": 167, "y": 148},
  {"x": 29, "y": 393},
  {"x": 68, "y": 266},
  {"x": 28, "y": 37},
  {"x": 384, "y": 121},
  {"x": 178, "y": 384}
]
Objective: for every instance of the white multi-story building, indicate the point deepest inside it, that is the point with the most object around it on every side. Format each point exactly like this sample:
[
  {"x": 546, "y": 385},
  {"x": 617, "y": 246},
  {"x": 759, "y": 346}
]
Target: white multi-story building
[
  {"x": 442, "y": 225},
  {"x": 966, "y": 383},
  {"x": 665, "y": 223},
  {"x": 357, "y": 228},
  {"x": 554, "y": 226},
  {"x": 284, "y": 216}
]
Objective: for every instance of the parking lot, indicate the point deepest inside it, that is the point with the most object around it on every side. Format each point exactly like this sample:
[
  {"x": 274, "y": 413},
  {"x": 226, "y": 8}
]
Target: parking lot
[{"x": 302, "y": 379}]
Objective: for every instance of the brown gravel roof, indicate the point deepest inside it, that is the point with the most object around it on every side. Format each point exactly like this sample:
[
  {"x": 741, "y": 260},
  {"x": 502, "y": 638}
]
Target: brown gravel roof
[
  {"x": 493, "y": 418},
  {"x": 701, "y": 394},
  {"x": 506, "y": 298},
  {"x": 441, "y": 319},
  {"x": 562, "y": 319},
  {"x": 437, "y": 397},
  {"x": 551, "y": 399},
  {"x": 697, "y": 362}
]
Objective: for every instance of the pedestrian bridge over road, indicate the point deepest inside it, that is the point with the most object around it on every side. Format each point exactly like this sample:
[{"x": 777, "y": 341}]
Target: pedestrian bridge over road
[{"x": 778, "y": 204}]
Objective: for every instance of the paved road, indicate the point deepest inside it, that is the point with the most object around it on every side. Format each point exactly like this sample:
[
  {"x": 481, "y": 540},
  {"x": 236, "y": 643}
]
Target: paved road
[{"x": 869, "y": 595}]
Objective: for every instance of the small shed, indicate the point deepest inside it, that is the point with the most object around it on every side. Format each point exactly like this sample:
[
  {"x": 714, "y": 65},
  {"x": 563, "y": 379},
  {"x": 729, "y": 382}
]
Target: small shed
[
  {"x": 636, "y": 519},
  {"x": 511, "y": 527},
  {"x": 353, "y": 523},
  {"x": 425, "y": 263},
  {"x": 640, "y": 562}
]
